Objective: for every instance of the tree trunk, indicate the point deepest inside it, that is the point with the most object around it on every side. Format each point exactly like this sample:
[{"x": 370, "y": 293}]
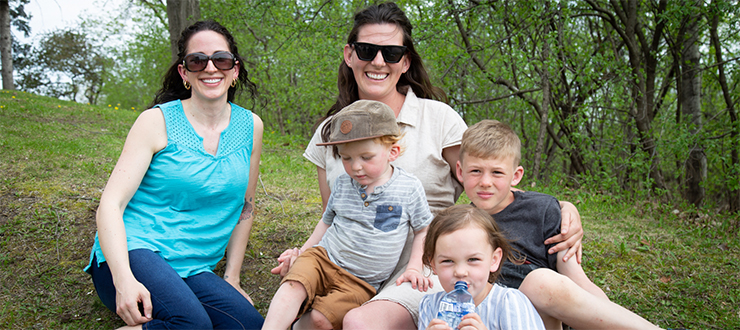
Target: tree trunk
[
  {"x": 6, "y": 44},
  {"x": 540, "y": 146},
  {"x": 642, "y": 53},
  {"x": 733, "y": 194},
  {"x": 180, "y": 14},
  {"x": 690, "y": 99}
]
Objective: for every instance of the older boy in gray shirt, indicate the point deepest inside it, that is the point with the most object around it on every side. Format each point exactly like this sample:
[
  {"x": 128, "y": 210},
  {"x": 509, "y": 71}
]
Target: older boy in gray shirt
[{"x": 488, "y": 169}]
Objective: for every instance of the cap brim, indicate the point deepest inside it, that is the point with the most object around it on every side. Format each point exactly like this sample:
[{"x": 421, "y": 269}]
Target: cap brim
[{"x": 348, "y": 141}]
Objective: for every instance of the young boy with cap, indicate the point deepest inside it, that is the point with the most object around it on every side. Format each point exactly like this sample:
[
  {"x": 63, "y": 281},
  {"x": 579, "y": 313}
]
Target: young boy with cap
[{"x": 356, "y": 245}]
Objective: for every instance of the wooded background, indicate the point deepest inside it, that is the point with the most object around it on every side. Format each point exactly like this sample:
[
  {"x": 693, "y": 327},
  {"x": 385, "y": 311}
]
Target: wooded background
[{"x": 624, "y": 97}]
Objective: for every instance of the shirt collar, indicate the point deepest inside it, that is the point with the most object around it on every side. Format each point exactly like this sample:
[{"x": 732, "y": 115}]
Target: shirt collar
[
  {"x": 409, "y": 114},
  {"x": 378, "y": 189}
]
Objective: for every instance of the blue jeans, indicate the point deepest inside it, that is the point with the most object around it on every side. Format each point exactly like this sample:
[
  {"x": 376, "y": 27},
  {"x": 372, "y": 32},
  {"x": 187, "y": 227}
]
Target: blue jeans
[{"x": 202, "y": 301}]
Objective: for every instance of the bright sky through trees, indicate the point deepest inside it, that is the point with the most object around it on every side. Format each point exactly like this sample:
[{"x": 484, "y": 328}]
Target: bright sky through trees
[{"x": 49, "y": 15}]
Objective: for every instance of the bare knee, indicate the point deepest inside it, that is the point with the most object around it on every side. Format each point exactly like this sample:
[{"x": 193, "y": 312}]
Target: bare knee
[
  {"x": 379, "y": 314},
  {"x": 319, "y": 320},
  {"x": 545, "y": 287},
  {"x": 354, "y": 319}
]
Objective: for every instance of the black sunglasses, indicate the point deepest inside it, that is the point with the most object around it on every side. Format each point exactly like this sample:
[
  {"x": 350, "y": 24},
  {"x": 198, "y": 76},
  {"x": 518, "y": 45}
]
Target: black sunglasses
[
  {"x": 196, "y": 62},
  {"x": 367, "y": 52}
]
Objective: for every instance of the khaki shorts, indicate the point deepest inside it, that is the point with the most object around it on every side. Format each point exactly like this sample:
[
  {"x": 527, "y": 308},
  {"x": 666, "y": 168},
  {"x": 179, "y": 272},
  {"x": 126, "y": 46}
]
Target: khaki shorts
[
  {"x": 331, "y": 290},
  {"x": 404, "y": 294}
]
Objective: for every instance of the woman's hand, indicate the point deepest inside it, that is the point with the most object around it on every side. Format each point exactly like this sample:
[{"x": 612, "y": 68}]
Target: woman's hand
[
  {"x": 235, "y": 283},
  {"x": 285, "y": 261},
  {"x": 133, "y": 302},
  {"x": 417, "y": 279},
  {"x": 571, "y": 233}
]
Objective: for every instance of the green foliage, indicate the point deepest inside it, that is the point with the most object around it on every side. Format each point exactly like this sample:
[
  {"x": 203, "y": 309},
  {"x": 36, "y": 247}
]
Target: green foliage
[
  {"x": 614, "y": 117},
  {"x": 66, "y": 64},
  {"x": 142, "y": 56},
  {"x": 292, "y": 50},
  {"x": 19, "y": 18}
]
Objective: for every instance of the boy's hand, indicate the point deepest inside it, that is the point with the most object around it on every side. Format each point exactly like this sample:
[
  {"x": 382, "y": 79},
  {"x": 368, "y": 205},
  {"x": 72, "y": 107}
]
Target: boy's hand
[
  {"x": 285, "y": 261},
  {"x": 571, "y": 233},
  {"x": 437, "y": 324},
  {"x": 417, "y": 279},
  {"x": 472, "y": 321}
]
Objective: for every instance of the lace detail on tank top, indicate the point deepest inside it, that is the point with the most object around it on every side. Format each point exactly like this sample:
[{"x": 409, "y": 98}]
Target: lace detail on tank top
[
  {"x": 236, "y": 136},
  {"x": 179, "y": 130},
  {"x": 239, "y": 133}
]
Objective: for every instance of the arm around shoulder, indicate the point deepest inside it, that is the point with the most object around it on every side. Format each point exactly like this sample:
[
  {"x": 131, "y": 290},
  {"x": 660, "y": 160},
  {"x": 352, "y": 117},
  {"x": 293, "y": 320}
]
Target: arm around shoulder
[{"x": 571, "y": 233}]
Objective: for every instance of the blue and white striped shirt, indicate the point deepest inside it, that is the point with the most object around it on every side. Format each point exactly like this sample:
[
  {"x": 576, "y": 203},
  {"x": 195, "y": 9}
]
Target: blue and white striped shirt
[{"x": 503, "y": 308}]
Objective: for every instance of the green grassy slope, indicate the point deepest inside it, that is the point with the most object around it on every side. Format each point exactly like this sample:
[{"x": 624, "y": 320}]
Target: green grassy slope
[{"x": 55, "y": 156}]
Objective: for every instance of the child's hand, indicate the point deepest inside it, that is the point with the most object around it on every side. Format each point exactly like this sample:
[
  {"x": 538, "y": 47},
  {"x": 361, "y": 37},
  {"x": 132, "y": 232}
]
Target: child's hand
[
  {"x": 472, "y": 321},
  {"x": 571, "y": 233},
  {"x": 285, "y": 261},
  {"x": 417, "y": 279},
  {"x": 437, "y": 324}
]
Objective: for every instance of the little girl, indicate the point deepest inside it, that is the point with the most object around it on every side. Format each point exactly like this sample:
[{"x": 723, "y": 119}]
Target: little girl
[{"x": 464, "y": 244}]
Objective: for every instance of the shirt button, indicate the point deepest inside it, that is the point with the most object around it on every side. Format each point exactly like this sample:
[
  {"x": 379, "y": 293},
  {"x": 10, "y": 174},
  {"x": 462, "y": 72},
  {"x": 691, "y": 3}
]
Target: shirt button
[
  {"x": 363, "y": 196},
  {"x": 367, "y": 203}
]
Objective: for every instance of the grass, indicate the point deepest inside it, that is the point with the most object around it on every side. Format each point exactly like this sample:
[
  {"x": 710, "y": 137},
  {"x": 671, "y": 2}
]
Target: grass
[{"x": 674, "y": 268}]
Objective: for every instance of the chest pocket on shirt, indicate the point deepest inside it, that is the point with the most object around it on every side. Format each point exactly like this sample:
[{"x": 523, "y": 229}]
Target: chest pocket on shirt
[{"x": 387, "y": 217}]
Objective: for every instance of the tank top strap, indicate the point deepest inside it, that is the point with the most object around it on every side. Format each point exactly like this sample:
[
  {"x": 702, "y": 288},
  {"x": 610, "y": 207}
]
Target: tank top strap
[
  {"x": 239, "y": 133},
  {"x": 179, "y": 130}
]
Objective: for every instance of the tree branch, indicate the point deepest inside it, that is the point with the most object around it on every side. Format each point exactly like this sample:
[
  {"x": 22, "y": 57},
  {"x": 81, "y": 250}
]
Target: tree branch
[{"x": 517, "y": 93}]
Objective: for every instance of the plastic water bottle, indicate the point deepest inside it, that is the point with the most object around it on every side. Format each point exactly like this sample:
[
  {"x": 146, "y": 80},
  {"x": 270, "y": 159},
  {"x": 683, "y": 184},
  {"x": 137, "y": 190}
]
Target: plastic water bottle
[{"x": 455, "y": 304}]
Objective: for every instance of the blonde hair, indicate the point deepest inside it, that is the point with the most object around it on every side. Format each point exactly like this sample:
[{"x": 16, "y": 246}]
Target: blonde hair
[
  {"x": 388, "y": 139},
  {"x": 491, "y": 139},
  {"x": 458, "y": 217}
]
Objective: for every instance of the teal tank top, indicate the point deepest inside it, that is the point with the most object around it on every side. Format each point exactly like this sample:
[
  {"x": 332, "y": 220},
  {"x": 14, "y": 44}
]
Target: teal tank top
[{"x": 189, "y": 201}]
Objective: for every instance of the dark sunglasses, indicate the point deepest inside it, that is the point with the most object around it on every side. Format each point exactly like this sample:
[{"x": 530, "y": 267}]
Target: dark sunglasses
[
  {"x": 367, "y": 52},
  {"x": 196, "y": 62}
]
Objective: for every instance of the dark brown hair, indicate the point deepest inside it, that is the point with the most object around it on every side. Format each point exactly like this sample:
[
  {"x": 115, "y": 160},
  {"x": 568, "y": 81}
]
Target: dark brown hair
[
  {"x": 172, "y": 87},
  {"x": 458, "y": 217},
  {"x": 415, "y": 78}
]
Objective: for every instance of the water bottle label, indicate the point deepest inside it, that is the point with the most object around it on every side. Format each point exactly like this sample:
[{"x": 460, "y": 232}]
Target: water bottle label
[{"x": 446, "y": 306}]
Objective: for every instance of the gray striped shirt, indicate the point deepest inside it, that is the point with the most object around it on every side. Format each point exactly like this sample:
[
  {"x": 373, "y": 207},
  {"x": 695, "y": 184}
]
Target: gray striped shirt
[{"x": 368, "y": 231}]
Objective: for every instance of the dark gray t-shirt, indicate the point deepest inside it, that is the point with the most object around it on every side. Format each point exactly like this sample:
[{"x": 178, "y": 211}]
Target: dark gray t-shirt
[{"x": 527, "y": 222}]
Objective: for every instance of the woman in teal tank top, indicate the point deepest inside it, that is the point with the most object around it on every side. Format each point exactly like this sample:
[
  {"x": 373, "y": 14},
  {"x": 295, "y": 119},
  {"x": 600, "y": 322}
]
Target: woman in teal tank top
[{"x": 182, "y": 195}]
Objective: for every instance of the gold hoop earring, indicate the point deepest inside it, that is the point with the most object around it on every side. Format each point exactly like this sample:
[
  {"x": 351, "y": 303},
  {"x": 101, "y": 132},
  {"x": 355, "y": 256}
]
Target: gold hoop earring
[
  {"x": 186, "y": 84},
  {"x": 233, "y": 83}
]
